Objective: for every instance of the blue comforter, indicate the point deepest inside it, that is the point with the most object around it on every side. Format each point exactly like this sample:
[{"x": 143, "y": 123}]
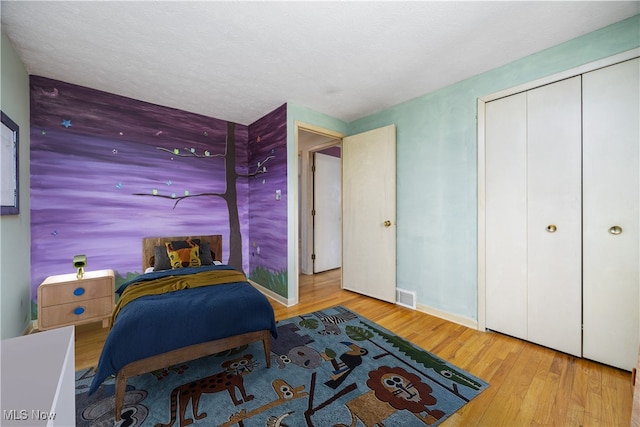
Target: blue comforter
[{"x": 155, "y": 324}]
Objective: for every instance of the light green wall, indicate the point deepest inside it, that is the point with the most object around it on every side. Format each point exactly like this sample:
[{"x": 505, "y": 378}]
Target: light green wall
[
  {"x": 437, "y": 174},
  {"x": 15, "y": 233}
]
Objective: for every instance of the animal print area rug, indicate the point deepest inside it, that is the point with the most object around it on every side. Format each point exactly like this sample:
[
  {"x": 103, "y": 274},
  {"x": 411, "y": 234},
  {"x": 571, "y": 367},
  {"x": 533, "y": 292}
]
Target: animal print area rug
[{"x": 329, "y": 368}]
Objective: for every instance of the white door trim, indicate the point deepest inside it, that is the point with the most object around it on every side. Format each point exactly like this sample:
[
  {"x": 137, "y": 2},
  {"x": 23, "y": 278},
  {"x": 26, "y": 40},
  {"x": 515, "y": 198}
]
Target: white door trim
[{"x": 624, "y": 56}]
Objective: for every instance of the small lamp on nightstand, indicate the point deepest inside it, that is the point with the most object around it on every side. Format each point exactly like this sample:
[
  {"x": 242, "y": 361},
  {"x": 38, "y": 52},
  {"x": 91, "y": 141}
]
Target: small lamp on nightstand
[{"x": 80, "y": 262}]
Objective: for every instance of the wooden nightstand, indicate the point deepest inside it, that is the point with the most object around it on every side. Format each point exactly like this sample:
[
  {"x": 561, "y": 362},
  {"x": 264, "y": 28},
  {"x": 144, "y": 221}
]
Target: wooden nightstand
[{"x": 66, "y": 300}]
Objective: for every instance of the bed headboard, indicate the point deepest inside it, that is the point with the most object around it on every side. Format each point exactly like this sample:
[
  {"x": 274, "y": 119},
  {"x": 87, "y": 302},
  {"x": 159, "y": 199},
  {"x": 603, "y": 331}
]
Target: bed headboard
[{"x": 148, "y": 243}]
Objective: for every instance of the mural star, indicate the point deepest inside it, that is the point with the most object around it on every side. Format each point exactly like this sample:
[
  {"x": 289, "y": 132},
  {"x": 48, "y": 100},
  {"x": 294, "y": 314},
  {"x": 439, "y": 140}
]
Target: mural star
[
  {"x": 51, "y": 94},
  {"x": 66, "y": 123}
]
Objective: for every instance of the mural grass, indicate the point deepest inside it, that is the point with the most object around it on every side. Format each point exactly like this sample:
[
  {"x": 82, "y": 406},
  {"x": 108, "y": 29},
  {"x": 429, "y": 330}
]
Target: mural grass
[{"x": 275, "y": 281}]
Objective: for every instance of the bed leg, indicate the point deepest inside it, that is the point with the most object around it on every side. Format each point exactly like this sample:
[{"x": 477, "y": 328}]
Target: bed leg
[
  {"x": 121, "y": 385},
  {"x": 266, "y": 342}
]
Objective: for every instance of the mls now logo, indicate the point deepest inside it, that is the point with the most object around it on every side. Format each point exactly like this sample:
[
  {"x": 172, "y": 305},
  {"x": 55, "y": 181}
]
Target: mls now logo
[
  {"x": 15, "y": 414},
  {"x": 23, "y": 414}
]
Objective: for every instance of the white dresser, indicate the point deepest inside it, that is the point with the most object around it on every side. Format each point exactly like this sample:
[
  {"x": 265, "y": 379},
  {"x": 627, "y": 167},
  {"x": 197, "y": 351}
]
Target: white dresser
[{"x": 38, "y": 379}]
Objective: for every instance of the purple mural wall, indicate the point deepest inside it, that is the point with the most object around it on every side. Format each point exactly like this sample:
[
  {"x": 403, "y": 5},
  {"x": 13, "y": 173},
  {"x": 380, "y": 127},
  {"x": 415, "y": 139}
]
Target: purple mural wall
[
  {"x": 268, "y": 201},
  {"x": 107, "y": 171}
]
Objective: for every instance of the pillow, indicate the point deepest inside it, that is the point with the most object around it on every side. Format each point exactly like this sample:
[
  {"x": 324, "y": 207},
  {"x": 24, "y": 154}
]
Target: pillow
[
  {"x": 160, "y": 258},
  {"x": 183, "y": 257},
  {"x": 206, "y": 256},
  {"x": 181, "y": 244}
]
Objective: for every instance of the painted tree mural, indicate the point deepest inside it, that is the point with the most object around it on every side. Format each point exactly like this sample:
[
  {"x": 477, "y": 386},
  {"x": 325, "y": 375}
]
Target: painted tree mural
[{"x": 229, "y": 195}]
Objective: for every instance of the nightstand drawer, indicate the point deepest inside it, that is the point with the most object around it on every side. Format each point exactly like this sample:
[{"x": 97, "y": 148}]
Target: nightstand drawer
[
  {"x": 72, "y": 292},
  {"x": 80, "y": 311}
]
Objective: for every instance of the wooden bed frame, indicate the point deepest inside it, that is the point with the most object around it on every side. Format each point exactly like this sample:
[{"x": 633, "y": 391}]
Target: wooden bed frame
[{"x": 185, "y": 354}]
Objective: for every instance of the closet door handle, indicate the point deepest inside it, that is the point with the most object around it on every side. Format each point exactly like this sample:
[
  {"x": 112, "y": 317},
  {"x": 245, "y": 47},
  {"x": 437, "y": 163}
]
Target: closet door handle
[
  {"x": 615, "y": 230},
  {"x": 551, "y": 228}
]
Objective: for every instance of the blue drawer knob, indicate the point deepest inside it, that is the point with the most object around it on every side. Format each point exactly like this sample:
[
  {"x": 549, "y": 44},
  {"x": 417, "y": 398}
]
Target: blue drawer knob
[
  {"x": 78, "y": 291},
  {"x": 78, "y": 311}
]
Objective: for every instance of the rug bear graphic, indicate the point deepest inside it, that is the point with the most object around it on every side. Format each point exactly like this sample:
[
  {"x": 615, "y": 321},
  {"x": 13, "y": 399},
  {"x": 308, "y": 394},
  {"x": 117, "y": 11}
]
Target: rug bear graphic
[{"x": 229, "y": 380}]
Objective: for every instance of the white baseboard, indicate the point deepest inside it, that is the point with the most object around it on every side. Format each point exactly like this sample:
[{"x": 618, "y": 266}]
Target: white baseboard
[
  {"x": 269, "y": 293},
  {"x": 460, "y": 320},
  {"x": 31, "y": 328}
]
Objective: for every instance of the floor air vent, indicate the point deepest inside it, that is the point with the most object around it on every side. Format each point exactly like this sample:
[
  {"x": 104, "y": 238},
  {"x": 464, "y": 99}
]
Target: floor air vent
[{"x": 406, "y": 298}]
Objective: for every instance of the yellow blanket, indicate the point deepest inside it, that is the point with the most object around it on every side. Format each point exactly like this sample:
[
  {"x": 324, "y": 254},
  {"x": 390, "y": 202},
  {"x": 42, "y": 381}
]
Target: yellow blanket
[{"x": 176, "y": 283}]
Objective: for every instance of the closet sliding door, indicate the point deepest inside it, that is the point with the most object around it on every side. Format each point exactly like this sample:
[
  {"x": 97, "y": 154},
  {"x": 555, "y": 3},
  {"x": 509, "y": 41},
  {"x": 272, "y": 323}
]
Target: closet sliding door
[
  {"x": 533, "y": 227},
  {"x": 611, "y": 214},
  {"x": 554, "y": 233},
  {"x": 506, "y": 215}
]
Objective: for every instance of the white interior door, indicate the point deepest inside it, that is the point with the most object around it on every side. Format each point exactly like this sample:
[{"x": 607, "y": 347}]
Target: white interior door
[
  {"x": 506, "y": 215},
  {"x": 369, "y": 213},
  {"x": 611, "y": 164},
  {"x": 554, "y": 234},
  {"x": 327, "y": 206}
]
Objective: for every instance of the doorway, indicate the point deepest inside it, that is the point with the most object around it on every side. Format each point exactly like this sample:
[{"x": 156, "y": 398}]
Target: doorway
[
  {"x": 312, "y": 141},
  {"x": 368, "y": 210},
  {"x": 326, "y": 212}
]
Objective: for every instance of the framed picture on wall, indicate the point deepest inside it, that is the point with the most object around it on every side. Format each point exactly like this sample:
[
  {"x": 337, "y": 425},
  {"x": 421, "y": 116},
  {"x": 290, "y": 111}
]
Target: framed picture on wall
[{"x": 9, "y": 136}]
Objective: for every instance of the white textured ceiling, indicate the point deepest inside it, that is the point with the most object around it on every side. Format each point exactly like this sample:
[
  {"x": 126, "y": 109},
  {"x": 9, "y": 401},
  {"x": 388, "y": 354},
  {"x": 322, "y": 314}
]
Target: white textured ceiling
[{"x": 239, "y": 60}]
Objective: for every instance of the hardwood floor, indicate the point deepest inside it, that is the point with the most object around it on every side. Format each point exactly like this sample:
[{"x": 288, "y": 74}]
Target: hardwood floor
[{"x": 530, "y": 385}]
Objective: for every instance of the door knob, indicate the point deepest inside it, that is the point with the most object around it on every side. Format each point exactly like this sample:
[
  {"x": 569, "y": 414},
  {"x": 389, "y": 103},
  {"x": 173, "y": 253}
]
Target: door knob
[
  {"x": 551, "y": 228},
  {"x": 387, "y": 223},
  {"x": 615, "y": 230}
]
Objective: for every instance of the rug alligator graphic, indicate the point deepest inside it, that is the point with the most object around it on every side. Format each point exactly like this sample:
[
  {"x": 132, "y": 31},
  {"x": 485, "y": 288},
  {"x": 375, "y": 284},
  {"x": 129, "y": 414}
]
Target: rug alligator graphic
[{"x": 424, "y": 358}]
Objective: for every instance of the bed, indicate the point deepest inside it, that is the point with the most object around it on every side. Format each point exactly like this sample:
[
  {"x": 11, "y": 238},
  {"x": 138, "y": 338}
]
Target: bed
[{"x": 170, "y": 316}]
